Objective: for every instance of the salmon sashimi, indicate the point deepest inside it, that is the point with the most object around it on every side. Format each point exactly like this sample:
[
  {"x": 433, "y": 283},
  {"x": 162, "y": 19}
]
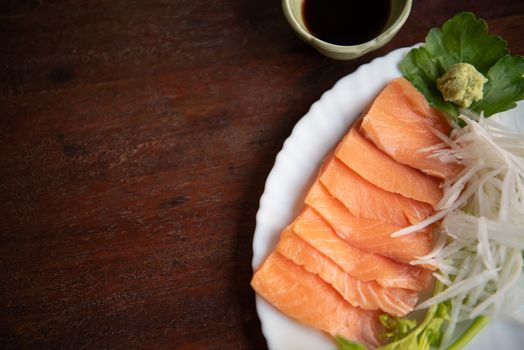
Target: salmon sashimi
[
  {"x": 366, "y": 295},
  {"x": 364, "y": 199},
  {"x": 401, "y": 123},
  {"x": 367, "y": 234},
  {"x": 358, "y": 263},
  {"x": 381, "y": 170},
  {"x": 308, "y": 299}
]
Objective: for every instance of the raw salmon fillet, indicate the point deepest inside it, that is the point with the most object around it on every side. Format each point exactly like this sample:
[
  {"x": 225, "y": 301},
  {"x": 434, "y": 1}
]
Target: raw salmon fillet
[
  {"x": 367, "y": 234},
  {"x": 400, "y": 123},
  {"x": 336, "y": 266},
  {"x": 376, "y": 167},
  {"x": 363, "y": 199},
  {"x": 308, "y": 299},
  {"x": 366, "y": 295},
  {"x": 358, "y": 263}
]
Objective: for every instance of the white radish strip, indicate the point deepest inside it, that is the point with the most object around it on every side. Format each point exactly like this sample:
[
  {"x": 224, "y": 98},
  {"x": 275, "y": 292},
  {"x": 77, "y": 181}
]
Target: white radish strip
[
  {"x": 459, "y": 288},
  {"x": 443, "y": 279},
  {"x": 453, "y": 193},
  {"x": 445, "y": 139},
  {"x": 516, "y": 271},
  {"x": 478, "y": 251},
  {"x": 476, "y": 292},
  {"x": 440, "y": 214},
  {"x": 432, "y": 149},
  {"x": 505, "y": 197},
  {"x": 436, "y": 217},
  {"x": 439, "y": 244},
  {"x": 483, "y": 249},
  {"x": 455, "y": 311}
]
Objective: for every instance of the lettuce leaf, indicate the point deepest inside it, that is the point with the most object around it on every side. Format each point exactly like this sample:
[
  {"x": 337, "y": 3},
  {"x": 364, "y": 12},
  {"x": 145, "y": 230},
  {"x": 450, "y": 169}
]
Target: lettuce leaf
[
  {"x": 465, "y": 39},
  {"x": 344, "y": 344},
  {"x": 396, "y": 328},
  {"x": 427, "y": 334}
]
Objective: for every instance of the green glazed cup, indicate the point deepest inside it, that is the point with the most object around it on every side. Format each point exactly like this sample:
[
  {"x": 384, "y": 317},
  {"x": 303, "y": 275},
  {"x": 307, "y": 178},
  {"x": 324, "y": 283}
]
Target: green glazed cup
[{"x": 399, "y": 13}]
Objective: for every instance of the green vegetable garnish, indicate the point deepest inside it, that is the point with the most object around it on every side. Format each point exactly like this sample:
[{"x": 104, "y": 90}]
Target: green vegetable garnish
[
  {"x": 465, "y": 39},
  {"x": 428, "y": 333},
  {"x": 344, "y": 344},
  {"x": 477, "y": 325},
  {"x": 396, "y": 328},
  {"x": 504, "y": 88},
  {"x": 403, "y": 334}
]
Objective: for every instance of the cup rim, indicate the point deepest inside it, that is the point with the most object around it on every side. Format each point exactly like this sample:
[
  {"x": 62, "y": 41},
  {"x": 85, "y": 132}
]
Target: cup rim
[{"x": 366, "y": 46}]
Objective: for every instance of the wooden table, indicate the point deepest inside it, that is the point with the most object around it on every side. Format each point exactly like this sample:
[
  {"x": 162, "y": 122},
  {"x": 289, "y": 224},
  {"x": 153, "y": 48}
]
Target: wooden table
[{"x": 136, "y": 140}]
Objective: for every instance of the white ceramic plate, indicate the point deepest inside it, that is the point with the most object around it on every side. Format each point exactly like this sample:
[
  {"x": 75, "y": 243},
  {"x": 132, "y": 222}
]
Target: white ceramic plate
[{"x": 295, "y": 167}]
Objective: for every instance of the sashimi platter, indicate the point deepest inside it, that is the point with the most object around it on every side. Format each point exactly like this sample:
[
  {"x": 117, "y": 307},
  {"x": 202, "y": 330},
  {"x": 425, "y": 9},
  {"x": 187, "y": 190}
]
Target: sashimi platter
[{"x": 393, "y": 217}]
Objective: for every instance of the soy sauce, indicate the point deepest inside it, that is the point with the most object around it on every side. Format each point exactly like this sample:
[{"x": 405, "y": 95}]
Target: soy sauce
[{"x": 346, "y": 22}]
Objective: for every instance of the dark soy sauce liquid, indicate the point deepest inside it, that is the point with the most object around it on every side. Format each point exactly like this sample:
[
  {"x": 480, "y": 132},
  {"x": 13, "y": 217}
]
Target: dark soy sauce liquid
[{"x": 346, "y": 22}]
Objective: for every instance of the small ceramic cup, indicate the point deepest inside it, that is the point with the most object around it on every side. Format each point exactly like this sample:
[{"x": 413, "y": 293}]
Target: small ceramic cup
[{"x": 398, "y": 15}]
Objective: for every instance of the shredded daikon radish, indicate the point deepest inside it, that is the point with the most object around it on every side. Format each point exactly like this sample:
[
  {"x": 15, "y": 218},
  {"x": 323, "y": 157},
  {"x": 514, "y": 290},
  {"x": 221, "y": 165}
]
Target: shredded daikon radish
[{"x": 478, "y": 252}]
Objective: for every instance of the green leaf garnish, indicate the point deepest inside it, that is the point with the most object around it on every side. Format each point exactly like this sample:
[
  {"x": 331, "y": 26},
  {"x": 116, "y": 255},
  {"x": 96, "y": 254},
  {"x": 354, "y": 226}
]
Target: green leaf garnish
[
  {"x": 504, "y": 88},
  {"x": 422, "y": 71},
  {"x": 465, "y": 39},
  {"x": 396, "y": 328},
  {"x": 427, "y": 334},
  {"x": 344, "y": 344},
  {"x": 405, "y": 335}
]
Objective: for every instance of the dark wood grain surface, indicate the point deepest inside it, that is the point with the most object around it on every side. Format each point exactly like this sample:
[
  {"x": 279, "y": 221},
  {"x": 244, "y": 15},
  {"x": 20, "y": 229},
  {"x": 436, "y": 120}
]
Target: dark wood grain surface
[{"x": 136, "y": 137}]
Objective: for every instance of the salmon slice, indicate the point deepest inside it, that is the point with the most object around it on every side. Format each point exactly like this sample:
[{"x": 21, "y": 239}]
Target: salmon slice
[
  {"x": 400, "y": 123},
  {"x": 364, "y": 199},
  {"x": 381, "y": 170},
  {"x": 366, "y": 295},
  {"x": 358, "y": 263},
  {"x": 306, "y": 298},
  {"x": 367, "y": 234}
]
